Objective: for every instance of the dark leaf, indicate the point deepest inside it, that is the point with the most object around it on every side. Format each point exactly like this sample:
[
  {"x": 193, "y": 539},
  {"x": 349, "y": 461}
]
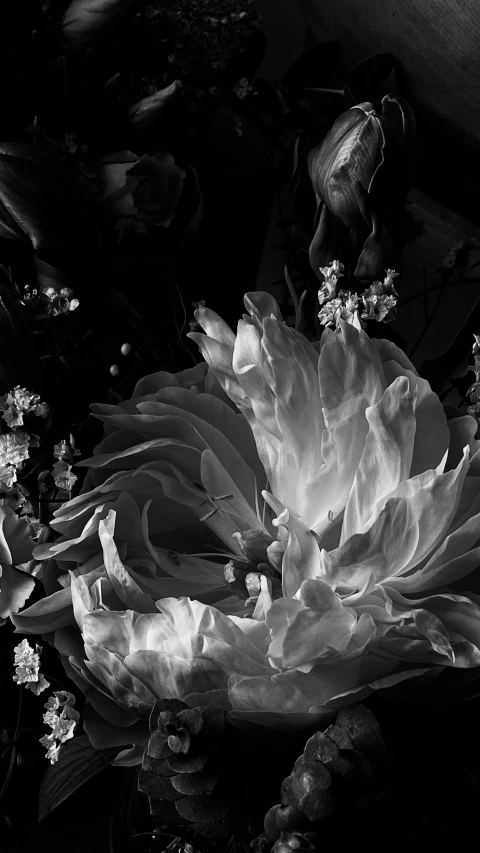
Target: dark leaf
[
  {"x": 34, "y": 196},
  {"x": 371, "y": 78},
  {"x": 14, "y": 346},
  {"x": 157, "y": 787},
  {"x": 190, "y": 211},
  {"x": 315, "y": 68},
  {"x": 303, "y": 204},
  {"x": 85, "y": 21},
  {"x": 194, "y": 783},
  {"x": 165, "y": 812},
  {"x": 78, "y": 762},
  {"x": 160, "y": 768},
  {"x": 246, "y": 59},
  {"x": 191, "y": 763},
  {"x": 202, "y": 809}
]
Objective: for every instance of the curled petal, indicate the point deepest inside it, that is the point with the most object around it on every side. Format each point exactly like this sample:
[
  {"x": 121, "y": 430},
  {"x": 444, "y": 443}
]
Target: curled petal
[
  {"x": 306, "y": 630},
  {"x": 301, "y": 558},
  {"x": 386, "y": 457}
]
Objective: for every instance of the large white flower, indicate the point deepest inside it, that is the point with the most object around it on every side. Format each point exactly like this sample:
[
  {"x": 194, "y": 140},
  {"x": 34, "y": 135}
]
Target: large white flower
[
  {"x": 379, "y": 494},
  {"x": 376, "y": 513}
]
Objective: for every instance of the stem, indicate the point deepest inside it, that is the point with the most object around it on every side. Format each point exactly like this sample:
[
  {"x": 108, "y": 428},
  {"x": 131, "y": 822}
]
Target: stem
[
  {"x": 430, "y": 321},
  {"x": 13, "y": 756},
  {"x": 323, "y": 91},
  {"x": 438, "y": 287}
]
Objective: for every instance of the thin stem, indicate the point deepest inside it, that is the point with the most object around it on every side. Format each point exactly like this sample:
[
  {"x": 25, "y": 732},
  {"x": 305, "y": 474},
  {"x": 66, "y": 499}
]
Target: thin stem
[
  {"x": 430, "y": 321},
  {"x": 13, "y": 756},
  {"x": 438, "y": 287}
]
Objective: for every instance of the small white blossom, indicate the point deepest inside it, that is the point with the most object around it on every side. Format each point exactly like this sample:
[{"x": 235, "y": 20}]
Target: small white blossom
[
  {"x": 27, "y": 667},
  {"x": 62, "y": 718},
  {"x": 13, "y": 450},
  {"x": 63, "y": 476},
  {"x": 18, "y": 402}
]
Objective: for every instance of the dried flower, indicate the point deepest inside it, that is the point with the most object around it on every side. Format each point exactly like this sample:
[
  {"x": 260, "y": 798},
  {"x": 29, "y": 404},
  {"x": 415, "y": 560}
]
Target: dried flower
[
  {"x": 13, "y": 449},
  {"x": 27, "y": 668},
  {"x": 63, "y": 476},
  {"x": 62, "y": 718},
  {"x": 18, "y": 402},
  {"x": 242, "y": 89},
  {"x": 331, "y": 273},
  {"x": 66, "y": 451}
]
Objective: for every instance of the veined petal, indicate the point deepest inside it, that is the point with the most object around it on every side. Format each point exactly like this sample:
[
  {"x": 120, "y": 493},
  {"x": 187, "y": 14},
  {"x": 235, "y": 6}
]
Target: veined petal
[
  {"x": 432, "y": 434},
  {"x": 382, "y": 551},
  {"x": 462, "y": 432},
  {"x": 260, "y": 305},
  {"x": 306, "y": 630},
  {"x": 386, "y": 456},
  {"x": 292, "y": 377},
  {"x": 433, "y": 499},
  {"x": 301, "y": 559},
  {"x": 454, "y": 559},
  {"x": 249, "y": 365},
  {"x": 127, "y": 590},
  {"x": 162, "y": 379}
]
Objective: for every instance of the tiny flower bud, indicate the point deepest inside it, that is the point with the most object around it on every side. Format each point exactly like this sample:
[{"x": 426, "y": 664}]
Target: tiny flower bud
[
  {"x": 254, "y": 544},
  {"x": 114, "y": 370},
  {"x": 126, "y": 349},
  {"x": 253, "y": 584}
]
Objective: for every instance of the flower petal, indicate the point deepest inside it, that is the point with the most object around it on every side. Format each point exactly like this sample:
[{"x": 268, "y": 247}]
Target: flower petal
[{"x": 386, "y": 457}]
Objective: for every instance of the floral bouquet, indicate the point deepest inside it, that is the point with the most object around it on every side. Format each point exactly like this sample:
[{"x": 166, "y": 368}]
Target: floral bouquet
[
  {"x": 260, "y": 543},
  {"x": 251, "y": 593}
]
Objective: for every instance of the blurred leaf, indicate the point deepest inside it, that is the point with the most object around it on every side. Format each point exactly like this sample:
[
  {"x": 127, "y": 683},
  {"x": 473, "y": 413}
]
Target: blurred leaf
[
  {"x": 13, "y": 339},
  {"x": 189, "y": 214},
  {"x": 246, "y": 59},
  {"x": 303, "y": 203},
  {"x": 371, "y": 78},
  {"x": 34, "y": 196},
  {"x": 314, "y": 68},
  {"x": 88, "y": 20},
  {"x": 148, "y": 110},
  {"x": 78, "y": 762}
]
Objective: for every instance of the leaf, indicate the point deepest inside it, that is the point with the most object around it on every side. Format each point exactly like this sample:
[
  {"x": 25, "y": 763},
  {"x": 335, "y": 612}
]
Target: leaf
[
  {"x": 13, "y": 342},
  {"x": 303, "y": 204},
  {"x": 79, "y": 761},
  {"x": 314, "y": 68},
  {"x": 34, "y": 196},
  {"x": 371, "y": 78},
  {"x": 204, "y": 808},
  {"x": 88, "y": 20},
  {"x": 150, "y": 109},
  {"x": 246, "y": 59},
  {"x": 190, "y": 211}
]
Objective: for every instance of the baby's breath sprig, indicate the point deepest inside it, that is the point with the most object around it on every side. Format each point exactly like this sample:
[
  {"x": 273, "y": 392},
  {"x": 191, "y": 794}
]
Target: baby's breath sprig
[
  {"x": 27, "y": 668},
  {"x": 62, "y": 718},
  {"x": 379, "y": 300}
]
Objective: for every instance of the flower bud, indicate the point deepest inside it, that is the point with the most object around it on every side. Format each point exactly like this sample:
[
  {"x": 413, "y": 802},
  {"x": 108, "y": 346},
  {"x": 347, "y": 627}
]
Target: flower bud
[
  {"x": 126, "y": 349},
  {"x": 254, "y": 544},
  {"x": 114, "y": 370},
  {"x": 253, "y": 584},
  {"x": 361, "y": 170}
]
